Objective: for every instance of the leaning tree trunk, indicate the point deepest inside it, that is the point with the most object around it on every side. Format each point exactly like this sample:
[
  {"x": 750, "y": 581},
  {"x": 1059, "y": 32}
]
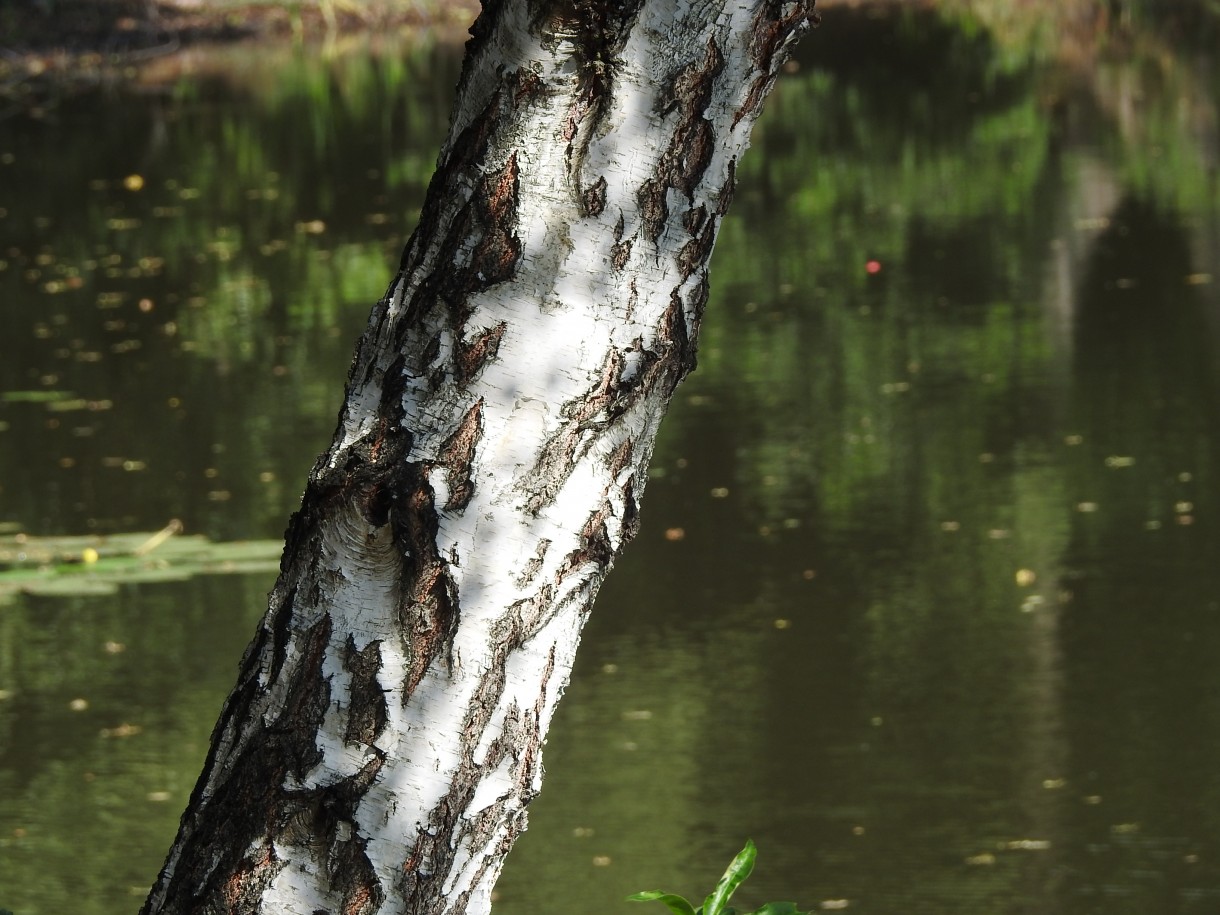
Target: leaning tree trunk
[{"x": 385, "y": 733}]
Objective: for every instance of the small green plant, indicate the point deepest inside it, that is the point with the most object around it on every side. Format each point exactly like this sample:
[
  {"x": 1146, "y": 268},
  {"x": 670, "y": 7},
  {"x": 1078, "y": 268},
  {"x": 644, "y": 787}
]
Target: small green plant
[{"x": 718, "y": 902}]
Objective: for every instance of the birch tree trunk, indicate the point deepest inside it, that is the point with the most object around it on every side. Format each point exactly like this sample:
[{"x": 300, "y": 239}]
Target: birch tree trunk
[{"x": 385, "y": 734}]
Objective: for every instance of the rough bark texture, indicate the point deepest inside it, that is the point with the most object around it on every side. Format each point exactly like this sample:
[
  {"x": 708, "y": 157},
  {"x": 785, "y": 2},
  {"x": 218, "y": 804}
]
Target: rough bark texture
[{"x": 385, "y": 734}]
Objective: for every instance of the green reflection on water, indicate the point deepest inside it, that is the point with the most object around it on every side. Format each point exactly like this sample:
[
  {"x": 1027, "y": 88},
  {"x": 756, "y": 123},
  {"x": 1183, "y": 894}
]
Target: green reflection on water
[{"x": 925, "y": 600}]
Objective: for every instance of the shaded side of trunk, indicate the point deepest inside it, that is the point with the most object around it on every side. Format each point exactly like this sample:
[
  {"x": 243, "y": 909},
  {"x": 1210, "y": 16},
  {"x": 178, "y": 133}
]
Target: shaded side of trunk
[{"x": 385, "y": 734}]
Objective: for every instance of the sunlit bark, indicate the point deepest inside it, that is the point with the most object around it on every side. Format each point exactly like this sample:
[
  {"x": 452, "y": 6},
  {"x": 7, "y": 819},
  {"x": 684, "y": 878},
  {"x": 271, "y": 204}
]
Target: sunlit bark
[{"x": 385, "y": 734}]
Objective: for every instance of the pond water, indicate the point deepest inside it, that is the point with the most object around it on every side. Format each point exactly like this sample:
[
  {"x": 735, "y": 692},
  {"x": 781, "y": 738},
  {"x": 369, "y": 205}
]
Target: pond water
[{"x": 926, "y": 600}]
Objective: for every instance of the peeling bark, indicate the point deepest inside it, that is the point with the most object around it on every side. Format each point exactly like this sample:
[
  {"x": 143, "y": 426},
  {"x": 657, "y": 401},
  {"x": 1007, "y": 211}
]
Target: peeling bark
[{"x": 385, "y": 735}]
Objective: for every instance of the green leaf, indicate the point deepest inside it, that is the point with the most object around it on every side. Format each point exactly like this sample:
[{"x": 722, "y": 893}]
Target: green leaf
[
  {"x": 738, "y": 871},
  {"x": 778, "y": 908},
  {"x": 675, "y": 904}
]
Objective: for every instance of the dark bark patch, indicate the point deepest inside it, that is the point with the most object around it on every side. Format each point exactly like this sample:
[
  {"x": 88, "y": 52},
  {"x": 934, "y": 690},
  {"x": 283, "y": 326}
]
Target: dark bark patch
[
  {"x": 495, "y": 256},
  {"x": 620, "y": 253},
  {"x": 431, "y": 618},
  {"x": 243, "y": 890},
  {"x": 558, "y": 454},
  {"x": 457, "y": 456},
  {"x": 725, "y": 197},
  {"x": 471, "y": 357},
  {"x": 674, "y": 324},
  {"x": 307, "y": 700},
  {"x": 697, "y": 251},
  {"x": 530, "y": 572},
  {"x": 773, "y": 33},
  {"x": 595, "y": 546},
  {"x": 653, "y": 208},
  {"x": 593, "y": 198},
  {"x": 694, "y": 219},
  {"x": 362, "y": 892},
  {"x": 366, "y": 714}
]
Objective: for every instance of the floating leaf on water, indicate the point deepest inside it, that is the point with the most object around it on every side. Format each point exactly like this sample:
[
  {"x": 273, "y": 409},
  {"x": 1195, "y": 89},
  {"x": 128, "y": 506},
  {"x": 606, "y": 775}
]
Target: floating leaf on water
[
  {"x": 1086, "y": 507},
  {"x": 122, "y": 730},
  {"x": 71, "y": 586},
  {"x": 159, "y": 797},
  {"x": 1117, "y": 461},
  {"x": 983, "y": 860},
  {"x": 1028, "y": 845},
  {"x": 35, "y": 396},
  {"x": 67, "y": 406},
  {"x": 78, "y": 705},
  {"x": 1026, "y": 577}
]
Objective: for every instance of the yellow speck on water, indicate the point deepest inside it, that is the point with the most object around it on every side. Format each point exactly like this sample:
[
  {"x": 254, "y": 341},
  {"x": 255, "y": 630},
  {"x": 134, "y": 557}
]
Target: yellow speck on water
[
  {"x": 674, "y": 534},
  {"x": 783, "y": 624},
  {"x": 1125, "y": 829},
  {"x": 133, "y": 182},
  {"x": 1115, "y": 460},
  {"x": 1183, "y": 508},
  {"x": 1086, "y": 507},
  {"x": 1053, "y": 783},
  {"x": 720, "y": 492},
  {"x": 831, "y": 905},
  {"x": 983, "y": 860},
  {"x": 857, "y": 830},
  {"x": 1092, "y": 799},
  {"x": 1198, "y": 279},
  {"x": 1073, "y": 439},
  {"x": 159, "y": 796},
  {"x": 78, "y": 705},
  {"x": 88, "y": 555},
  {"x": 1028, "y": 845},
  {"x": 1026, "y": 577},
  {"x": 601, "y": 860}
]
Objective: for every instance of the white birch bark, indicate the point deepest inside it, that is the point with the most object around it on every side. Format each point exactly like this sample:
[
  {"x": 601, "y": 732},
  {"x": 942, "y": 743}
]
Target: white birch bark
[{"x": 384, "y": 738}]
